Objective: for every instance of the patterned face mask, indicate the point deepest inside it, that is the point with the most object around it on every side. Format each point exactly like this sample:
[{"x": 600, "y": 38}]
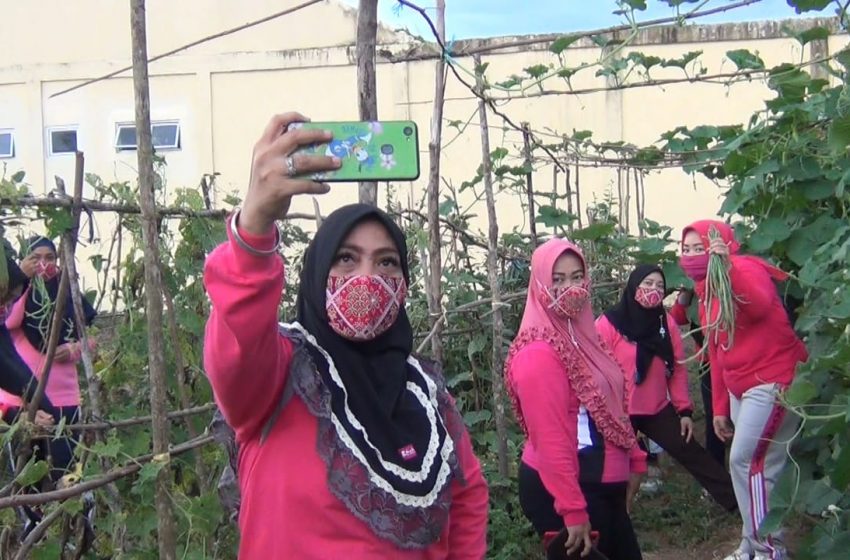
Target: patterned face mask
[
  {"x": 363, "y": 307},
  {"x": 567, "y": 301},
  {"x": 46, "y": 270},
  {"x": 649, "y": 297}
]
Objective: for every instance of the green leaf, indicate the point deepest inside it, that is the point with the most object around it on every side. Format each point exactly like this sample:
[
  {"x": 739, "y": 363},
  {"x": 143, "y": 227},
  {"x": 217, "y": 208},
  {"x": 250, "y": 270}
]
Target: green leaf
[
  {"x": 801, "y": 392},
  {"x": 595, "y": 231},
  {"x": 819, "y": 496},
  {"x": 553, "y": 217},
  {"x": 109, "y": 448},
  {"x": 18, "y": 177},
  {"x": 839, "y": 134},
  {"x": 769, "y": 231},
  {"x": 561, "y": 44},
  {"x": 745, "y": 60},
  {"x": 812, "y": 34},
  {"x": 635, "y": 4},
  {"x": 475, "y": 345},
  {"x": 537, "y": 71},
  {"x": 841, "y": 469},
  {"x": 33, "y": 472},
  {"x": 447, "y": 207},
  {"x": 682, "y": 61},
  {"x": 809, "y": 5},
  {"x": 474, "y": 417}
]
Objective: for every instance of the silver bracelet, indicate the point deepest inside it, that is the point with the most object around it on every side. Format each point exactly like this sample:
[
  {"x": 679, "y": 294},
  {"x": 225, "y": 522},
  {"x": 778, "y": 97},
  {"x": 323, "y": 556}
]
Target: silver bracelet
[{"x": 242, "y": 243}]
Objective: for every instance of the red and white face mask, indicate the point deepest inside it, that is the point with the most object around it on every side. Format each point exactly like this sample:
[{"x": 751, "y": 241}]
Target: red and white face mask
[
  {"x": 567, "y": 302},
  {"x": 363, "y": 307},
  {"x": 46, "y": 270},
  {"x": 648, "y": 297}
]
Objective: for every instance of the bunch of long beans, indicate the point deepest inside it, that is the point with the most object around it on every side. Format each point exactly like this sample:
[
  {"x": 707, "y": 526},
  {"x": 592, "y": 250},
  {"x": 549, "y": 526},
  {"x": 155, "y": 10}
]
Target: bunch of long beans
[{"x": 718, "y": 288}]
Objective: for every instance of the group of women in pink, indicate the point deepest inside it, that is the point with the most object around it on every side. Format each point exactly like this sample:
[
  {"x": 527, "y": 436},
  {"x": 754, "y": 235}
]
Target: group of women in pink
[{"x": 350, "y": 446}]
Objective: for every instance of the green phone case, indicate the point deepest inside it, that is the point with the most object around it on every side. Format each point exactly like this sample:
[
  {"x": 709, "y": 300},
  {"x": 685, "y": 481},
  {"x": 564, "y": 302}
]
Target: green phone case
[{"x": 370, "y": 151}]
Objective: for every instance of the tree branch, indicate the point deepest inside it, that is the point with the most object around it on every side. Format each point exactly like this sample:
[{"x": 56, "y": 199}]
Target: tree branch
[{"x": 103, "y": 480}]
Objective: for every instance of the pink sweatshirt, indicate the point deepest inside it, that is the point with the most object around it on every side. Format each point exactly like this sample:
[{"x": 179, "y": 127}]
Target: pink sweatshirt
[
  {"x": 765, "y": 348},
  {"x": 651, "y": 396},
  {"x": 559, "y": 430},
  {"x": 63, "y": 385},
  {"x": 287, "y": 511}
]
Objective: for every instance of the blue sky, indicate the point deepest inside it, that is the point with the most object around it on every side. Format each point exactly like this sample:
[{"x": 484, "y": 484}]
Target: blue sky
[{"x": 488, "y": 18}]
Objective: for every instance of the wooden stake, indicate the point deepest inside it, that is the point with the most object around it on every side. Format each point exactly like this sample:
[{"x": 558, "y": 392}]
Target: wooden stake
[
  {"x": 435, "y": 267},
  {"x": 495, "y": 288},
  {"x": 367, "y": 97},
  {"x": 529, "y": 185},
  {"x": 153, "y": 283}
]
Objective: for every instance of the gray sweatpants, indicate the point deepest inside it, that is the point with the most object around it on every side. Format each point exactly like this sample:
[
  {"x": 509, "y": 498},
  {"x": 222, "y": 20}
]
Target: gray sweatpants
[{"x": 763, "y": 430}]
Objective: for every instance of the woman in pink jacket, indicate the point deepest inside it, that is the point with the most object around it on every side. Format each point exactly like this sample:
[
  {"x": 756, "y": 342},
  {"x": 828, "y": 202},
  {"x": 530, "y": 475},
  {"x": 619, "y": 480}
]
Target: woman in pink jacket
[
  {"x": 647, "y": 344},
  {"x": 581, "y": 463},
  {"x": 747, "y": 377},
  {"x": 349, "y": 446}
]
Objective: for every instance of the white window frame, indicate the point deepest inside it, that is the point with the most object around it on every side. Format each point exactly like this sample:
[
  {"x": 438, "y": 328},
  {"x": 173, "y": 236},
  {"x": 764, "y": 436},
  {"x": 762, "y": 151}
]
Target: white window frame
[
  {"x": 11, "y": 134},
  {"x": 161, "y": 147},
  {"x": 53, "y": 129}
]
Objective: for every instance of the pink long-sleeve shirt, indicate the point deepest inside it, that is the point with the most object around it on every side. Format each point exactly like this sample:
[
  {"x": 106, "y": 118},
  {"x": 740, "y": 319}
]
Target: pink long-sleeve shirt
[
  {"x": 287, "y": 510},
  {"x": 765, "y": 347},
  {"x": 63, "y": 385},
  {"x": 559, "y": 429},
  {"x": 657, "y": 390}
]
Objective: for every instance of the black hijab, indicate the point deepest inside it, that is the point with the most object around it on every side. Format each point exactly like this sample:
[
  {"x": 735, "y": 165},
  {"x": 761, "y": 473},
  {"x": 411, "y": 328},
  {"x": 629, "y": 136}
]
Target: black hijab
[
  {"x": 645, "y": 327},
  {"x": 373, "y": 377},
  {"x": 36, "y": 322}
]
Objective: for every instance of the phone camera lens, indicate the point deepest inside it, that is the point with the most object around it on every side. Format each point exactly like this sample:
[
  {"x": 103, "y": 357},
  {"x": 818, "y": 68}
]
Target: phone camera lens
[{"x": 408, "y": 131}]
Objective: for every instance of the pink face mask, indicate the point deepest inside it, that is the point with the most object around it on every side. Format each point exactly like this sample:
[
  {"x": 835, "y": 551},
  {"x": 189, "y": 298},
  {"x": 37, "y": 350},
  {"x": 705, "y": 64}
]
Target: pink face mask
[
  {"x": 566, "y": 302},
  {"x": 364, "y": 307},
  {"x": 695, "y": 266},
  {"x": 47, "y": 271},
  {"x": 649, "y": 298}
]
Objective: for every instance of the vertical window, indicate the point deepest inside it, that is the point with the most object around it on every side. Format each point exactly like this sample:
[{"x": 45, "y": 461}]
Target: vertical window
[{"x": 7, "y": 143}]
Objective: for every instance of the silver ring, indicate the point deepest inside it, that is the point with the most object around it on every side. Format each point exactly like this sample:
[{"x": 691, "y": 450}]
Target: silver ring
[{"x": 290, "y": 167}]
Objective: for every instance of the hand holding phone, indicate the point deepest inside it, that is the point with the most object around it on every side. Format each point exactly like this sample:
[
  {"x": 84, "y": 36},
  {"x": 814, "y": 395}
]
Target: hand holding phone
[{"x": 271, "y": 188}]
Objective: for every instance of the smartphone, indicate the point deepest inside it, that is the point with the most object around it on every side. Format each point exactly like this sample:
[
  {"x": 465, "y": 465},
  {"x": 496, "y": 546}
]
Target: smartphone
[
  {"x": 370, "y": 151},
  {"x": 554, "y": 543}
]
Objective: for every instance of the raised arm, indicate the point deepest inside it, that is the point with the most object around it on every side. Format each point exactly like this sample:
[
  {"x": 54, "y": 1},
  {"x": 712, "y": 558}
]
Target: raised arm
[{"x": 245, "y": 358}]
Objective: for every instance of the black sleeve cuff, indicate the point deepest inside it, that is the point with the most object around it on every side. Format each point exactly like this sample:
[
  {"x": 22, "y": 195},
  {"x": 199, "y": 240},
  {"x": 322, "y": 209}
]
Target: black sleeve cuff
[{"x": 687, "y": 413}]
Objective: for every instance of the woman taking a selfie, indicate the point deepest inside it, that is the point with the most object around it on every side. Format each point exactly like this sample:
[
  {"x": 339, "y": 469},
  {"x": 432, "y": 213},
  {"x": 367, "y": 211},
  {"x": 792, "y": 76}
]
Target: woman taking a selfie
[
  {"x": 581, "y": 464},
  {"x": 369, "y": 459}
]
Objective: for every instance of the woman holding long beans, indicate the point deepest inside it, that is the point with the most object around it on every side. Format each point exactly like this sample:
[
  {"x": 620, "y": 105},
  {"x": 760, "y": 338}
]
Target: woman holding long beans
[
  {"x": 581, "y": 464},
  {"x": 647, "y": 344},
  {"x": 753, "y": 359},
  {"x": 369, "y": 458}
]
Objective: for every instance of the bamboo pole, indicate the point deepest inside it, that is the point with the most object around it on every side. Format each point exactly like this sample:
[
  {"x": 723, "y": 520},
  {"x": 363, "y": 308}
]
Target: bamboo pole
[
  {"x": 367, "y": 95},
  {"x": 495, "y": 288},
  {"x": 435, "y": 267},
  {"x": 166, "y": 536}
]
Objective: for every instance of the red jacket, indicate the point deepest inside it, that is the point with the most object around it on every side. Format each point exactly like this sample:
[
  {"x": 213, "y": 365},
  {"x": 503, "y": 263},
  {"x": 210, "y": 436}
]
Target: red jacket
[{"x": 765, "y": 347}]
